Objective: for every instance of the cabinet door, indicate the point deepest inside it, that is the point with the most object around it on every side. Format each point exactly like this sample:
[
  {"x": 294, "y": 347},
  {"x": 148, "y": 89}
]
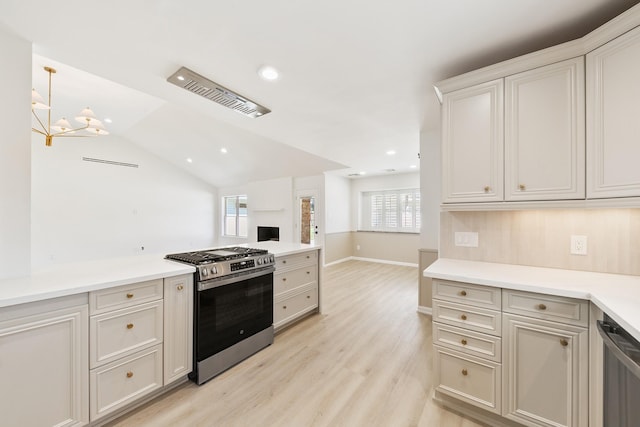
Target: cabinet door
[
  {"x": 544, "y": 133},
  {"x": 545, "y": 372},
  {"x": 613, "y": 102},
  {"x": 178, "y": 327},
  {"x": 472, "y": 144},
  {"x": 44, "y": 369}
]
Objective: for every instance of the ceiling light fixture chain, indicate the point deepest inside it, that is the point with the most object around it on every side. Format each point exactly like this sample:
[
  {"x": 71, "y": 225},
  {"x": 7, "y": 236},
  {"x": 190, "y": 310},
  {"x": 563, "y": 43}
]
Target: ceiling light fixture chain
[{"x": 62, "y": 127}]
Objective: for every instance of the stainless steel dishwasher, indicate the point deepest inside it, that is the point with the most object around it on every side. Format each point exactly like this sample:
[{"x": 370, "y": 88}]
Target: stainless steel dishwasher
[{"x": 621, "y": 394}]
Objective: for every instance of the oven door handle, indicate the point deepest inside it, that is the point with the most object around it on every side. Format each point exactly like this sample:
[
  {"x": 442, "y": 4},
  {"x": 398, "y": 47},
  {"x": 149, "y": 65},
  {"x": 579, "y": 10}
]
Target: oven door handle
[
  {"x": 618, "y": 352},
  {"x": 203, "y": 286}
]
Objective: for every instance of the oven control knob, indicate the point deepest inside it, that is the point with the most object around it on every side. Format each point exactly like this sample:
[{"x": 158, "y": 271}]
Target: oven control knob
[
  {"x": 259, "y": 261},
  {"x": 204, "y": 271},
  {"x": 214, "y": 270}
]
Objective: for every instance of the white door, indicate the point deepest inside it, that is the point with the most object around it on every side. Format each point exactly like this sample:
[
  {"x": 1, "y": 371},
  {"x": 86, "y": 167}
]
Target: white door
[
  {"x": 544, "y": 140},
  {"x": 308, "y": 222}
]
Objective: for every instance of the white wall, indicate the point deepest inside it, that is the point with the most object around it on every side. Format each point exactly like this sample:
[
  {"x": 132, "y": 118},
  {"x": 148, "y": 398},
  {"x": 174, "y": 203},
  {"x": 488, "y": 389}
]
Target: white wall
[
  {"x": 430, "y": 188},
  {"x": 15, "y": 168},
  {"x": 337, "y": 204},
  {"x": 85, "y": 210},
  {"x": 270, "y": 204},
  {"x": 375, "y": 183}
]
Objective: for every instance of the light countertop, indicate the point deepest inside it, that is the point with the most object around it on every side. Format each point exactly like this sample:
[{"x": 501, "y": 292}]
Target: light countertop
[
  {"x": 616, "y": 294},
  {"x": 75, "y": 278}
]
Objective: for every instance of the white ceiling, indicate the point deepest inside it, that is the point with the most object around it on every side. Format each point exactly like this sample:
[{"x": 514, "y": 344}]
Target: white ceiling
[{"x": 356, "y": 76}]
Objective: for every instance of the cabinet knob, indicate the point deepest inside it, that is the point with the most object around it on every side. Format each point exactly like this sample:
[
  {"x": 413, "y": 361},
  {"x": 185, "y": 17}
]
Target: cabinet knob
[
  {"x": 464, "y": 372},
  {"x": 542, "y": 307},
  {"x": 307, "y": 256},
  {"x": 129, "y": 325},
  {"x": 487, "y": 188},
  {"x": 180, "y": 287},
  {"x": 284, "y": 279},
  {"x": 129, "y": 374},
  {"x": 463, "y": 317},
  {"x": 284, "y": 307},
  {"x": 522, "y": 187},
  {"x": 308, "y": 296},
  {"x": 564, "y": 342},
  {"x": 308, "y": 272},
  {"x": 284, "y": 261},
  {"x": 463, "y": 293},
  {"x": 463, "y": 342},
  {"x": 129, "y": 295}
]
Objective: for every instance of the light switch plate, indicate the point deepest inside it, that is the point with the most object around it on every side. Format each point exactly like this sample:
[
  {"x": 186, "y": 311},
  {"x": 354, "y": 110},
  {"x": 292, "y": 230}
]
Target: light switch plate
[{"x": 466, "y": 238}]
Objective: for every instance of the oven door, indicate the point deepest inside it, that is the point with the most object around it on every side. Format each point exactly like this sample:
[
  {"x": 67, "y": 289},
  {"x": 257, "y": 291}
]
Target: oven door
[{"x": 230, "y": 310}]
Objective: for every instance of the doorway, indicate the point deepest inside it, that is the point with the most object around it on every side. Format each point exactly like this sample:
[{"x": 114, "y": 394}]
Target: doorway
[{"x": 308, "y": 226}]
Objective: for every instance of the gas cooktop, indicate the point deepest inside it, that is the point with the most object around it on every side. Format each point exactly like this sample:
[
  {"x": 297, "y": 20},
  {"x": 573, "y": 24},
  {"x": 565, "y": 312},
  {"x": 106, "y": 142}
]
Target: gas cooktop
[{"x": 215, "y": 255}]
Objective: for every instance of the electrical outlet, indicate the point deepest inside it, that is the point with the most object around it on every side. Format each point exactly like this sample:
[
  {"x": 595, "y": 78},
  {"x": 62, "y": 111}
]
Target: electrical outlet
[
  {"x": 357, "y": 247},
  {"x": 578, "y": 245},
  {"x": 466, "y": 238}
]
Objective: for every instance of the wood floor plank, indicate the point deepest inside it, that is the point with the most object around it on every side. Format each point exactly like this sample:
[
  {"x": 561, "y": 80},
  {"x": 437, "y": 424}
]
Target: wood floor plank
[{"x": 365, "y": 361}]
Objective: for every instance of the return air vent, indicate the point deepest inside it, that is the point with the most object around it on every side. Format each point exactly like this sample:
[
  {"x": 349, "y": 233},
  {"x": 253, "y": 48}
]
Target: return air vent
[{"x": 195, "y": 83}]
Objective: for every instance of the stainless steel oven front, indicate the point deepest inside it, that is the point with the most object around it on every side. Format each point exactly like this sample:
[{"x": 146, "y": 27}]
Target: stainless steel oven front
[{"x": 233, "y": 319}]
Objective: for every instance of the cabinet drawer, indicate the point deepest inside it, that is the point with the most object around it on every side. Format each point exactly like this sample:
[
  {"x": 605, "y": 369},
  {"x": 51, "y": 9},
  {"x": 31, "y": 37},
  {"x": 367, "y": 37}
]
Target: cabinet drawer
[
  {"x": 295, "y": 305},
  {"x": 466, "y": 293},
  {"x": 123, "y": 332},
  {"x": 296, "y": 260},
  {"x": 467, "y": 317},
  {"x": 283, "y": 282},
  {"x": 124, "y": 296},
  {"x": 548, "y": 307},
  {"x": 468, "y": 342},
  {"x": 120, "y": 383},
  {"x": 475, "y": 381}
]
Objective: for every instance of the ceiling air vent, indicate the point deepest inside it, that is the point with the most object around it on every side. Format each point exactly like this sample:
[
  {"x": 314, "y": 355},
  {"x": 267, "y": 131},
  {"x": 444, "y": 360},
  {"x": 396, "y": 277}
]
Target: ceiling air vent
[{"x": 194, "y": 82}]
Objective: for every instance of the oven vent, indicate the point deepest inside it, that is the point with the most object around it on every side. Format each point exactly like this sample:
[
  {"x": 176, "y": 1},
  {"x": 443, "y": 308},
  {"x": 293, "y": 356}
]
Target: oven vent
[{"x": 195, "y": 83}]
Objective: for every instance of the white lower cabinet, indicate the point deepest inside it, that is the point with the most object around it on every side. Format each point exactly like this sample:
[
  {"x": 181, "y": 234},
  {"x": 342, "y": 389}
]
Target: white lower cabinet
[
  {"x": 295, "y": 287},
  {"x": 530, "y": 367},
  {"x": 44, "y": 374},
  {"x": 178, "y": 327}
]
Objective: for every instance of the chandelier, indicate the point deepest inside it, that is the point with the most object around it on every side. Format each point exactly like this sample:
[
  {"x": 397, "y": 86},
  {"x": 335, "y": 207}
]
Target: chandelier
[{"x": 62, "y": 127}]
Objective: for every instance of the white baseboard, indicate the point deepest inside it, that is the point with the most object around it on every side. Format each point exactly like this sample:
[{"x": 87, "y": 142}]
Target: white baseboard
[
  {"x": 425, "y": 310},
  {"x": 339, "y": 261},
  {"x": 384, "y": 261}
]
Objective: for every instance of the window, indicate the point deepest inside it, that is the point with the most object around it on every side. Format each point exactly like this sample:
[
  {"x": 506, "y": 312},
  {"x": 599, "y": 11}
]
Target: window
[
  {"x": 394, "y": 210},
  {"x": 235, "y": 216}
]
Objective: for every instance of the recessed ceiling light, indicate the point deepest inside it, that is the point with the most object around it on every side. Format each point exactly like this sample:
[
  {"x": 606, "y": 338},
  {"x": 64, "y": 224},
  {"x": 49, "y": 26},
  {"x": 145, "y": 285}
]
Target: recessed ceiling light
[
  {"x": 363, "y": 173},
  {"x": 108, "y": 120},
  {"x": 181, "y": 78},
  {"x": 189, "y": 160},
  {"x": 413, "y": 166},
  {"x": 223, "y": 150},
  {"x": 269, "y": 73},
  {"x": 391, "y": 152}
]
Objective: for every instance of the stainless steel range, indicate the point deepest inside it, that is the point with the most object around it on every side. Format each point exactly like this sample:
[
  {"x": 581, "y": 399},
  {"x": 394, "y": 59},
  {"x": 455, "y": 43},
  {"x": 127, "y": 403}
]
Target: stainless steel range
[{"x": 233, "y": 306}]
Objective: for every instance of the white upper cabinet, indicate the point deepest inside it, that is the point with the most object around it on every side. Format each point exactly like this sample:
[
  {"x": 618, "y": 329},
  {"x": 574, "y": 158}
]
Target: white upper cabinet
[
  {"x": 544, "y": 133},
  {"x": 613, "y": 116},
  {"x": 472, "y": 149}
]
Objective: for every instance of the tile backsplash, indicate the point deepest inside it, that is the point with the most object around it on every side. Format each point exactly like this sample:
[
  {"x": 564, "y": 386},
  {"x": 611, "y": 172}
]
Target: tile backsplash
[{"x": 543, "y": 238}]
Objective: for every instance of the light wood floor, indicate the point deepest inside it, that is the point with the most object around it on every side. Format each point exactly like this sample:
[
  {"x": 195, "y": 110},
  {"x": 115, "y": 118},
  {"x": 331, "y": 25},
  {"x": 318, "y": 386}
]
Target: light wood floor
[{"x": 365, "y": 361}]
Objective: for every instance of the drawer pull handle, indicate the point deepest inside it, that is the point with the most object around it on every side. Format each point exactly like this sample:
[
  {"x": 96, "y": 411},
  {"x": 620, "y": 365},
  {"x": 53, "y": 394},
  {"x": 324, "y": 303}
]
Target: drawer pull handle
[
  {"x": 308, "y": 296},
  {"x": 129, "y": 296},
  {"x": 487, "y": 188},
  {"x": 464, "y": 372},
  {"x": 284, "y": 279},
  {"x": 542, "y": 307},
  {"x": 564, "y": 342},
  {"x": 308, "y": 272},
  {"x": 284, "y": 307},
  {"x": 129, "y": 325},
  {"x": 463, "y": 293},
  {"x": 129, "y": 374},
  {"x": 522, "y": 187},
  {"x": 180, "y": 287},
  {"x": 307, "y": 256},
  {"x": 463, "y": 317},
  {"x": 284, "y": 261},
  {"x": 463, "y": 342}
]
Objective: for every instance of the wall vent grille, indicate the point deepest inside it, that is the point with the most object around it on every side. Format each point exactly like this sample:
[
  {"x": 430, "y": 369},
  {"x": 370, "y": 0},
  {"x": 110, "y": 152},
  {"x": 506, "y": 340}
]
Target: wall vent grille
[{"x": 195, "y": 83}]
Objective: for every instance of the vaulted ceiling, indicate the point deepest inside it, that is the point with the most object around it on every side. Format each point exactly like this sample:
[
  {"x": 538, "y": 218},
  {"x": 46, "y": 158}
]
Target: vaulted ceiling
[{"x": 356, "y": 76}]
